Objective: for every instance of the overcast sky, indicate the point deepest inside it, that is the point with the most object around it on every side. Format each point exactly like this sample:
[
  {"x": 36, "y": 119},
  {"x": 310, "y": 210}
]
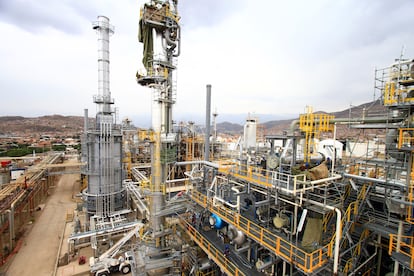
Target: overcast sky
[{"x": 262, "y": 57}]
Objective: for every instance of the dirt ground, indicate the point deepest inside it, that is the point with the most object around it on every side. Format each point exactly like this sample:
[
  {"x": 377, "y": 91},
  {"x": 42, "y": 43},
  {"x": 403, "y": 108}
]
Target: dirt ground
[{"x": 37, "y": 256}]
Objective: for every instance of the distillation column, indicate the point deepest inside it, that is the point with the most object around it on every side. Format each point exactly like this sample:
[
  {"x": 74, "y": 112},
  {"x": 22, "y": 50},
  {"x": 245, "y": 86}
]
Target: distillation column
[
  {"x": 159, "y": 32},
  {"x": 102, "y": 143}
]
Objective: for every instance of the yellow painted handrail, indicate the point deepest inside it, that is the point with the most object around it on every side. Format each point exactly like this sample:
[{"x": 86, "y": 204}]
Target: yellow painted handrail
[
  {"x": 410, "y": 198},
  {"x": 146, "y": 135},
  {"x": 326, "y": 219},
  {"x": 406, "y": 247},
  {"x": 307, "y": 262},
  {"x": 352, "y": 209},
  {"x": 216, "y": 255},
  {"x": 329, "y": 215},
  {"x": 356, "y": 251},
  {"x": 267, "y": 178},
  {"x": 405, "y": 137}
]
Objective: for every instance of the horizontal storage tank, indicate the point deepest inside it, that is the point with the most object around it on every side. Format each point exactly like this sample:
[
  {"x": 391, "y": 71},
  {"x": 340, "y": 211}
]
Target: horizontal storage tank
[
  {"x": 216, "y": 221},
  {"x": 236, "y": 235}
]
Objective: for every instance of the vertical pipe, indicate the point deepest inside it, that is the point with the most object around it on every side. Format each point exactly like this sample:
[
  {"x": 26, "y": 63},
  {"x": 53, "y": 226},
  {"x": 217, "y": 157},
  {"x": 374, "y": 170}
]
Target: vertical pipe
[
  {"x": 208, "y": 111},
  {"x": 400, "y": 231},
  {"x": 85, "y": 121},
  {"x": 104, "y": 30},
  {"x": 379, "y": 247},
  {"x": 334, "y": 149}
]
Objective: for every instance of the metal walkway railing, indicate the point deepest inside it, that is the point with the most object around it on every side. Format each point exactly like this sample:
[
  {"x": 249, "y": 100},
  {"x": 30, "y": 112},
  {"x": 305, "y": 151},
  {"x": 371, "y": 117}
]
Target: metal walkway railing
[
  {"x": 304, "y": 261},
  {"x": 213, "y": 253},
  {"x": 406, "y": 250},
  {"x": 293, "y": 185}
]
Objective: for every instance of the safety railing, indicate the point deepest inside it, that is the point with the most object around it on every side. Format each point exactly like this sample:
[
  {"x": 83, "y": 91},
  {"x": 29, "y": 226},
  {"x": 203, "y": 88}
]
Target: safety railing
[
  {"x": 410, "y": 195},
  {"x": 213, "y": 253},
  {"x": 410, "y": 210},
  {"x": 397, "y": 94},
  {"x": 326, "y": 220},
  {"x": 329, "y": 215},
  {"x": 352, "y": 211},
  {"x": 316, "y": 122},
  {"x": 146, "y": 135},
  {"x": 307, "y": 262},
  {"x": 149, "y": 186},
  {"x": 208, "y": 273},
  {"x": 157, "y": 71},
  {"x": 390, "y": 94},
  {"x": 287, "y": 183},
  {"x": 152, "y": 13},
  {"x": 355, "y": 252},
  {"x": 405, "y": 138},
  {"x": 406, "y": 244},
  {"x": 313, "y": 125}
]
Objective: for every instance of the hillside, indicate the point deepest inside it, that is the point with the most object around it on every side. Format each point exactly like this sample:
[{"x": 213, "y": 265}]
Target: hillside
[
  {"x": 44, "y": 125},
  {"x": 73, "y": 125},
  {"x": 279, "y": 126}
]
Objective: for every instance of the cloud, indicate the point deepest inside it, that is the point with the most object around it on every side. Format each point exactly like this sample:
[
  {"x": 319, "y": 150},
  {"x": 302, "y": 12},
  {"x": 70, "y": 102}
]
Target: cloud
[
  {"x": 34, "y": 16},
  {"x": 200, "y": 13},
  {"x": 268, "y": 57}
]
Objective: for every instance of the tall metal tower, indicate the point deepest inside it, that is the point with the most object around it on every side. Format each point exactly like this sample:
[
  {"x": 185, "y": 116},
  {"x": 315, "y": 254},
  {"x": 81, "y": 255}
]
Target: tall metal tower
[
  {"x": 102, "y": 146},
  {"x": 159, "y": 31}
]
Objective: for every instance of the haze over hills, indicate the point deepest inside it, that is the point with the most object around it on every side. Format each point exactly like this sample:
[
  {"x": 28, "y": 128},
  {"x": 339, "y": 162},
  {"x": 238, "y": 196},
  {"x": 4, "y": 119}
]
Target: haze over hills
[
  {"x": 278, "y": 126},
  {"x": 73, "y": 125}
]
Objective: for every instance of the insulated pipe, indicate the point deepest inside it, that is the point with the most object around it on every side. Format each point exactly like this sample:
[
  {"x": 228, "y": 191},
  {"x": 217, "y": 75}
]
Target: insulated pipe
[
  {"x": 403, "y": 202},
  {"x": 319, "y": 181},
  {"x": 334, "y": 148},
  {"x": 170, "y": 42},
  {"x": 370, "y": 179},
  {"x": 174, "y": 43},
  {"x": 201, "y": 162},
  {"x": 337, "y": 232},
  {"x": 207, "y": 135},
  {"x": 261, "y": 203},
  {"x": 227, "y": 203},
  {"x": 397, "y": 250},
  {"x": 178, "y": 42},
  {"x": 243, "y": 248}
]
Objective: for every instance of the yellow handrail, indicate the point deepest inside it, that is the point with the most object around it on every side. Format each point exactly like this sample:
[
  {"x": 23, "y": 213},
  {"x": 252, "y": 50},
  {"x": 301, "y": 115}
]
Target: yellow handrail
[
  {"x": 356, "y": 251},
  {"x": 405, "y": 137},
  {"x": 406, "y": 247},
  {"x": 267, "y": 178},
  {"x": 307, "y": 262},
  {"x": 313, "y": 125},
  {"x": 219, "y": 258},
  {"x": 389, "y": 93},
  {"x": 329, "y": 215},
  {"x": 352, "y": 209},
  {"x": 326, "y": 219}
]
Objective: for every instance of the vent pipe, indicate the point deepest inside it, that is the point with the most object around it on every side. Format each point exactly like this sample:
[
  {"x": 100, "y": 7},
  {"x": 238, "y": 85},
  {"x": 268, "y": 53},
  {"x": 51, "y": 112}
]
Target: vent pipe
[
  {"x": 104, "y": 30},
  {"x": 208, "y": 111}
]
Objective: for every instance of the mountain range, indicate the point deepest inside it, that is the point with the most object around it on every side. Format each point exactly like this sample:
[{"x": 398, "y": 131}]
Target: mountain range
[{"x": 73, "y": 125}]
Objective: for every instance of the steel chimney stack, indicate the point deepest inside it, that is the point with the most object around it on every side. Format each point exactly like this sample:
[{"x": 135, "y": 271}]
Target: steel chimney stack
[{"x": 104, "y": 30}]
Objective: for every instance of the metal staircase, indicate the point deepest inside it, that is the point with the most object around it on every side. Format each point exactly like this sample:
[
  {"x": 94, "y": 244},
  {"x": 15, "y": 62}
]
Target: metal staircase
[{"x": 306, "y": 262}]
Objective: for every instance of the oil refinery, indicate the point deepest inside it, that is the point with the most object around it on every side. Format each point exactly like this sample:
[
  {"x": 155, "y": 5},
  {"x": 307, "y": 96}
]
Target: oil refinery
[{"x": 170, "y": 200}]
